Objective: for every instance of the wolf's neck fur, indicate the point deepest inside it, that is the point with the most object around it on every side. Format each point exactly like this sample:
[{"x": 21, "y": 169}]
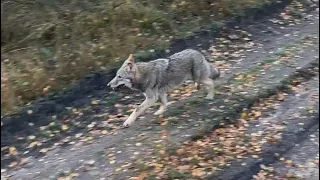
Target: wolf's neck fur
[{"x": 142, "y": 71}]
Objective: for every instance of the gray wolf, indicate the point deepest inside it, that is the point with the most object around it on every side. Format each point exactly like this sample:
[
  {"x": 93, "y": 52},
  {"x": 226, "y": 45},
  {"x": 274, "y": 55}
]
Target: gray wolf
[{"x": 157, "y": 77}]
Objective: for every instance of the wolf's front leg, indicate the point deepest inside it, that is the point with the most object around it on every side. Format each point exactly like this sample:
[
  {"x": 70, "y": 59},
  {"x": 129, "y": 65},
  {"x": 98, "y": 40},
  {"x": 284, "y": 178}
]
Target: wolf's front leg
[{"x": 148, "y": 102}]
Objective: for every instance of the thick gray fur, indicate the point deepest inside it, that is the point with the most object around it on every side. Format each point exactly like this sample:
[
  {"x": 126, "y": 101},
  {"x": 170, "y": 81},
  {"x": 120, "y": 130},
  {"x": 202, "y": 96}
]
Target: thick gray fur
[{"x": 157, "y": 77}]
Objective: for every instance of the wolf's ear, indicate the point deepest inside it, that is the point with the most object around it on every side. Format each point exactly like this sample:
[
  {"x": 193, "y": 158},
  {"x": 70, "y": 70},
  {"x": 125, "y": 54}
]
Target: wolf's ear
[
  {"x": 129, "y": 63},
  {"x": 130, "y": 59}
]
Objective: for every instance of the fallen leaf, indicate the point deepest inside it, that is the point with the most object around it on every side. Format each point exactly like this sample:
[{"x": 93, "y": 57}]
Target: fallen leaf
[
  {"x": 164, "y": 123},
  {"x": 90, "y": 162},
  {"x": 280, "y": 97},
  {"x": 89, "y": 138},
  {"x": 13, "y": 164},
  {"x": 52, "y": 124},
  {"x": 74, "y": 175},
  {"x": 184, "y": 168},
  {"x": 94, "y": 102},
  {"x": 104, "y": 132},
  {"x": 112, "y": 162},
  {"x": 289, "y": 175},
  {"x": 12, "y": 150},
  {"x": 31, "y": 137},
  {"x": 117, "y": 169},
  {"x": 44, "y": 150},
  {"x": 33, "y": 144},
  {"x": 198, "y": 172},
  {"x": 138, "y": 144},
  {"x": 257, "y": 113},
  {"x": 255, "y": 156},
  {"x": 289, "y": 162},
  {"x": 243, "y": 115},
  {"x": 64, "y": 127},
  {"x": 142, "y": 176},
  {"x": 180, "y": 152}
]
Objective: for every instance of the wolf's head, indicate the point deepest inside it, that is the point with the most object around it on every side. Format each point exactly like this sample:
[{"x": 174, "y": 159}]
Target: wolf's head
[{"x": 125, "y": 74}]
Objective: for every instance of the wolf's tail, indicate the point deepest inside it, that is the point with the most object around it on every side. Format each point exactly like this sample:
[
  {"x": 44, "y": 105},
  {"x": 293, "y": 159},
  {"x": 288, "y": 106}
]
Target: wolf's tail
[{"x": 215, "y": 73}]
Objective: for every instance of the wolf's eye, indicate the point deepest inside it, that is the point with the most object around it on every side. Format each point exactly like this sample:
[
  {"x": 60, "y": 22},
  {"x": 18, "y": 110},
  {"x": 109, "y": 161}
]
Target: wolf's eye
[{"x": 120, "y": 77}]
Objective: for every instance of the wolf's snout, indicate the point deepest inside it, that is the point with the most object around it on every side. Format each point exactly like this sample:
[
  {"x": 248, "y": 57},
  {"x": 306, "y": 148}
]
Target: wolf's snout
[{"x": 110, "y": 85}]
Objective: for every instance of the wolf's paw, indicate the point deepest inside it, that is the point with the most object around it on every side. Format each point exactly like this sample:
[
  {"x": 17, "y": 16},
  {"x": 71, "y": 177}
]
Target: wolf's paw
[
  {"x": 128, "y": 122},
  {"x": 159, "y": 112},
  {"x": 209, "y": 97}
]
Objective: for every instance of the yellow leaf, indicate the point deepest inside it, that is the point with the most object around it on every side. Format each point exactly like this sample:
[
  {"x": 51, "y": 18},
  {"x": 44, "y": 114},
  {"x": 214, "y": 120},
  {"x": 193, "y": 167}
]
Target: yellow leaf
[
  {"x": 31, "y": 137},
  {"x": 74, "y": 175},
  {"x": 289, "y": 161},
  {"x": 94, "y": 102},
  {"x": 112, "y": 162},
  {"x": 311, "y": 111},
  {"x": 104, "y": 132},
  {"x": 64, "y": 127},
  {"x": 299, "y": 4},
  {"x": 138, "y": 144},
  {"x": 164, "y": 123},
  {"x": 240, "y": 76},
  {"x": 89, "y": 138},
  {"x": 52, "y": 124},
  {"x": 249, "y": 76},
  {"x": 33, "y": 144},
  {"x": 117, "y": 170},
  {"x": 29, "y": 111},
  {"x": 243, "y": 115},
  {"x": 280, "y": 97},
  {"x": 12, "y": 149}
]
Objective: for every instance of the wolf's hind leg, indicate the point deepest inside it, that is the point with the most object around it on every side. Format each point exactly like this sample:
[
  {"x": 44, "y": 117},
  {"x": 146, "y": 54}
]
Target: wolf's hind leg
[
  {"x": 210, "y": 87},
  {"x": 196, "y": 78},
  {"x": 164, "y": 101}
]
